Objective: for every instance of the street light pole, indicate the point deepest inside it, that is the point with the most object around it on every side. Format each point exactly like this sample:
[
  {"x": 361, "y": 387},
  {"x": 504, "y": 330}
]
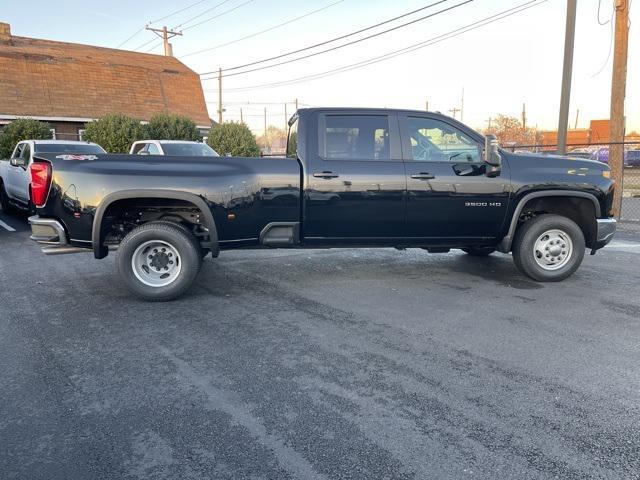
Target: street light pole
[
  {"x": 570, "y": 32},
  {"x": 220, "y": 96}
]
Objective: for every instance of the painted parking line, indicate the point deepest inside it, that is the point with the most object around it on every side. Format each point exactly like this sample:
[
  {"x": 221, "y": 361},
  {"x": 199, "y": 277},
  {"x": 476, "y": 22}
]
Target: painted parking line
[
  {"x": 7, "y": 227},
  {"x": 622, "y": 246}
]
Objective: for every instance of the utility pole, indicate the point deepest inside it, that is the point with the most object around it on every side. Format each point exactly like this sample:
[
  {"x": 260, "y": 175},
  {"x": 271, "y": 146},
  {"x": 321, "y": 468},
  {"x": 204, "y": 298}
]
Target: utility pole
[
  {"x": 454, "y": 110},
  {"x": 618, "y": 87},
  {"x": 426, "y": 105},
  {"x": 565, "y": 95},
  {"x": 220, "y": 109},
  {"x": 265, "y": 128},
  {"x": 524, "y": 116},
  {"x": 241, "y": 117},
  {"x": 296, "y": 104},
  {"x": 575, "y": 125},
  {"x": 286, "y": 119},
  {"x": 462, "y": 106},
  {"x": 165, "y": 35}
]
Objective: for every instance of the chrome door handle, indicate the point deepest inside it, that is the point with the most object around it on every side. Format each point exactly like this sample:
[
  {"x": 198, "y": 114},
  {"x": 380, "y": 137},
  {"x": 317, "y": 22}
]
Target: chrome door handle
[
  {"x": 326, "y": 175},
  {"x": 423, "y": 176}
]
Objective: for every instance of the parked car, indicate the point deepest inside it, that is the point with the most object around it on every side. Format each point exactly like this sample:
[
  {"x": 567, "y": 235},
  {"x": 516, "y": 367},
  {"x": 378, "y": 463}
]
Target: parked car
[
  {"x": 580, "y": 153},
  {"x": 631, "y": 157},
  {"x": 16, "y": 174},
  {"x": 177, "y": 148},
  {"x": 387, "y": 178}
]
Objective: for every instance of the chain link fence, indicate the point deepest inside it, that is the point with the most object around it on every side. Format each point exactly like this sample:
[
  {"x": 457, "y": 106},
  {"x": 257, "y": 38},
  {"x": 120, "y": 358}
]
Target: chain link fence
[{"x": 630, "y": 212}]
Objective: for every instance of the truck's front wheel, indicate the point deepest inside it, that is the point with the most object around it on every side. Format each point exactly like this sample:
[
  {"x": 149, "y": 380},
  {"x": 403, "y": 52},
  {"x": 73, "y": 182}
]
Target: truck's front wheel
[
  {"x": 158, "y": 261},
  {"x": 548, "y": 248}
]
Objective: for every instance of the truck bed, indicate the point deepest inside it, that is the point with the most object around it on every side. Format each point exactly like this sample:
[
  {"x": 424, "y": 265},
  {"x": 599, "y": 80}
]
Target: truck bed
[{"x": 243, "y": 194}]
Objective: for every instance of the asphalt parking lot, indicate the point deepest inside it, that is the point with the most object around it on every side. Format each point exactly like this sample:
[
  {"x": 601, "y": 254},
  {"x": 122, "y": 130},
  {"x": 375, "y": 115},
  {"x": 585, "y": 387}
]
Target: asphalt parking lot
[{"x": 375, "y": 364}]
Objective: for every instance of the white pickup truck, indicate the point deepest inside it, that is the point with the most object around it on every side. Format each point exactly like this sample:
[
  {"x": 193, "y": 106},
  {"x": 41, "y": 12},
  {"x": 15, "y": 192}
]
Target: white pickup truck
[
  {"x": 15, "y": 175},
  {"x": 176, "y": 148}
]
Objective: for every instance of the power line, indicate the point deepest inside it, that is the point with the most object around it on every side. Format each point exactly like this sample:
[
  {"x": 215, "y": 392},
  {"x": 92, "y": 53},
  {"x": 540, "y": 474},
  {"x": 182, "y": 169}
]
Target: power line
[
  {"x": 129, "y": 38},
  {"x": 353, "y": 41},
  {"x": 191, "y": 19},
  {"x": 262, "y": 31},
  {"x": 178, "y": 11},
  {"x": 254, "y": 103},
  {"x": 218, "y": 15},
  {"x": 153, "y": 47},
  {"x": 147, "y": 43},
  {"x": 408, "y": 49},
  {"x": 610, "y": 22},
  {"x": 203, "y": 12},
  {"x": 331, "y": 40},
  {"x": 158, "y": 20}
]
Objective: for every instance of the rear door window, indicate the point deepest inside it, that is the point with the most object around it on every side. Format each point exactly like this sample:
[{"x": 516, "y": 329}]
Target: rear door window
[{"x": 356, "y": 137}]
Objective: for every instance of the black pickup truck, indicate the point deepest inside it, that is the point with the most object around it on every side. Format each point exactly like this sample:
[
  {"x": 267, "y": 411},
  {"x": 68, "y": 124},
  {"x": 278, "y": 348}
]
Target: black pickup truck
[{"x": 352, "y": 178}]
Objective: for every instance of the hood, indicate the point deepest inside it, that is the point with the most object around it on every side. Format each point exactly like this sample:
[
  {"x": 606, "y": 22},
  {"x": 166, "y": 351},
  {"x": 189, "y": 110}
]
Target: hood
[{"x": 563, "y": 161}]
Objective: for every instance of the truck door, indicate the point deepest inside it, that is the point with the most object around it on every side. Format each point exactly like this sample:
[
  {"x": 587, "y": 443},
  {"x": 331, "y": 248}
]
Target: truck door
[
  {"x": 23, "y": 176},
  {"x": 449, "y": 195},
  {"x": 355, "y": 180},
  {"x": 18, "y": 173}
]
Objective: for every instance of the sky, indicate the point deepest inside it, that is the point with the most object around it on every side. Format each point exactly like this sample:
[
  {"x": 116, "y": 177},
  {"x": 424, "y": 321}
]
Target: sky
[{"x": 499, "y": 67}]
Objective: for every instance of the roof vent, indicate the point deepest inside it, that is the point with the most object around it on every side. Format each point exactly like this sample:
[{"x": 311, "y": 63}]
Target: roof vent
[{"x": 5, "y": 32}]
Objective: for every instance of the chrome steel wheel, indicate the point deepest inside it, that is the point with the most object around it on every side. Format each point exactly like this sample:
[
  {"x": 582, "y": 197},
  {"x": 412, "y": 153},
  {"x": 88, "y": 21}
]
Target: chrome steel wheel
[
  {"x": 156, "y": 263},
  {"x": 553, "y": 249}
]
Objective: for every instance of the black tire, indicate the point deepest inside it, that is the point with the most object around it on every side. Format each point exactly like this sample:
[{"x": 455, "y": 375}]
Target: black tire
[
  {"x": 203, "y": 251},
  {"x": 525, "y": 253},
  {"x": 479, "y": 251},
  {"x": 4, "y": 201},
  {"x": 187, "y": 249}
]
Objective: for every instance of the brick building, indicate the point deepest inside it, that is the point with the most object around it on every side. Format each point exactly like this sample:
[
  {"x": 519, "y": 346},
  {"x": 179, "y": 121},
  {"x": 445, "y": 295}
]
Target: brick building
[{"x": 68, "y": 84}]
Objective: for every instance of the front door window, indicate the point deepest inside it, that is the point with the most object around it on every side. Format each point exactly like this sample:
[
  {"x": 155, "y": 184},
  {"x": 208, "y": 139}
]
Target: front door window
[{"x": 436, "y": 141}]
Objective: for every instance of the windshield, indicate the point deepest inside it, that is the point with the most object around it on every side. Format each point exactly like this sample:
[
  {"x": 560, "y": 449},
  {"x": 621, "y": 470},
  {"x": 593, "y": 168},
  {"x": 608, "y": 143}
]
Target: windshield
[
  {"x": 68, "y": 148},
  {"x": 189, "y": 150}
]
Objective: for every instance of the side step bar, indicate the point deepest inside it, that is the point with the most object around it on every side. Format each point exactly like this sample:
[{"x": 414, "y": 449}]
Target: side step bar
[
  {"x": 279, "y": 234},
  {"x": 63, "y": 250}
]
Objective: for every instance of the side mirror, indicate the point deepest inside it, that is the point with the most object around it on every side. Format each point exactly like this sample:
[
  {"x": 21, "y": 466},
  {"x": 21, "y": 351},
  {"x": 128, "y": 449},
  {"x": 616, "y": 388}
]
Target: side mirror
[
  {"x": 491, "y": 152},
  {"x": 18, "y": 162}
]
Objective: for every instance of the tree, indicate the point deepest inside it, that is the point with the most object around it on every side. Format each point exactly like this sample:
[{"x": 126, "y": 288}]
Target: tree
[
  {"x": 274, "y": 138},
  {"x": 509, "y": 131},
  {"x": 233, "y": 138},
  {"x": 114, "y": 132},
  {"x": 22, "y": 129},
  {"x": 165, "y": 126}
]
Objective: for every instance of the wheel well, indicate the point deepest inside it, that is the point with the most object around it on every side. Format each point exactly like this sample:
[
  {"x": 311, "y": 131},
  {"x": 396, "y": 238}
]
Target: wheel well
[
  {"x": 122, "y": 216},
  {"x": 581, "y": 210}
]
